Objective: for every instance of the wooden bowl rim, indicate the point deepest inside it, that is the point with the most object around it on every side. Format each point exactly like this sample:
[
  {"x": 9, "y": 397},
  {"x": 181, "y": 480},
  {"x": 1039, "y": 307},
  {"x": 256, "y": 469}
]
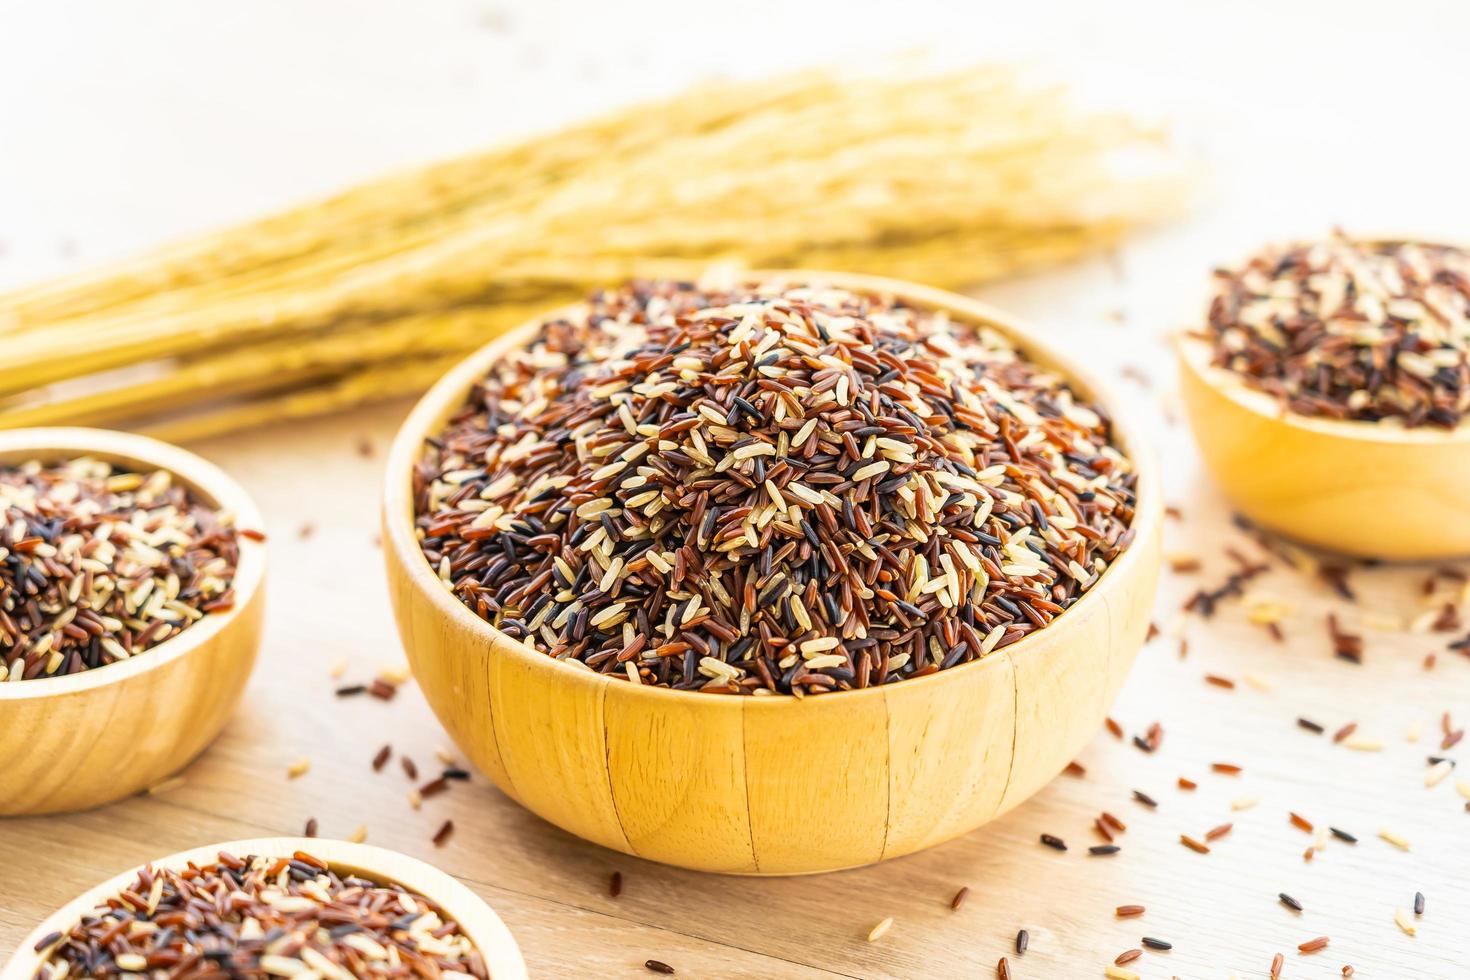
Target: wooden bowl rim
[
  {"x": 449, "y": 392},
  {"x": 479, "y": 921},
  {"x": 212, "y": 484}
]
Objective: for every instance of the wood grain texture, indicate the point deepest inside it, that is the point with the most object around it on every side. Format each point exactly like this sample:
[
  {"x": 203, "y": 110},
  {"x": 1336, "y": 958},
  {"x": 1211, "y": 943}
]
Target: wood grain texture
[
  {"x": 476, "y": 920},
  {"x": 695, "y": 781},
  {"x": 90, "y": 738},
  {"x": 1360, "y": 488}
]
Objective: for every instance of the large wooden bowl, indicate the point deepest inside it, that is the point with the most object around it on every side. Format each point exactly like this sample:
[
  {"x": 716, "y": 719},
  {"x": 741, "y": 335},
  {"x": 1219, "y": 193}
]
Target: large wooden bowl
[
  {"x": 89, "y": 738},
  {"x": 769, "y": 785},
  {"x": 481, "y": 925},
  {"x": 1371, "y": 489}
]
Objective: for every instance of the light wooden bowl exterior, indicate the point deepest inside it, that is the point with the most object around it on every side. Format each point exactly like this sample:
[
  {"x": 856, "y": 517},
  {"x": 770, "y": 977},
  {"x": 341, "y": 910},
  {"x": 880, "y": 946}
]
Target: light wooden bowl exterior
[
  {"x": 769, "y": 785},
  {"x": 1359, "y": 488},
  {"x": 90, "y": 738},
  {"x": 478, "y": 921}
]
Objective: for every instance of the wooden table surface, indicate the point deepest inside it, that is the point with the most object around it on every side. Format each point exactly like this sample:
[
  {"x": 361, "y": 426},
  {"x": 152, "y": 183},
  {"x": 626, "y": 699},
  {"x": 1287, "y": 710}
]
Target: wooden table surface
[
  {"x": 133, "y": 129},
  {"x": 317, "y": 483}
]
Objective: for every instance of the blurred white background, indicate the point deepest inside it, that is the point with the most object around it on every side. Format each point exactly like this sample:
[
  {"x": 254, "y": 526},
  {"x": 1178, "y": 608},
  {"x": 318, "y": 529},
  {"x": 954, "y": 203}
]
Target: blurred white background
[{"x": 124, "y": 124}]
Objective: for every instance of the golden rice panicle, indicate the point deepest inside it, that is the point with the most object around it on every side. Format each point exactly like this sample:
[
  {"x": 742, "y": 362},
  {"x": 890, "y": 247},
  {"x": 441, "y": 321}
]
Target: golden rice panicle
[{"x": 951, "y": 178}]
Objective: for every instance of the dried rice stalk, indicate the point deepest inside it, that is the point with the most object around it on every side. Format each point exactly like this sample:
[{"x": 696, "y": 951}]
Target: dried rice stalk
[{"x": 949, "y": 179}]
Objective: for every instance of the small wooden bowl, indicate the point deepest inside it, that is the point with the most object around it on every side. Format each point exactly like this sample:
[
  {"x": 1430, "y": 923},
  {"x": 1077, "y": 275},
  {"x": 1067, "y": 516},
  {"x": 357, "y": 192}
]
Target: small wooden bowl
[
  {"x": 1370, "y": 489},
  {"x": 770, "y": 785},
  {"x": 479, "y": 923},
  {"x": 89, "y": 738}
]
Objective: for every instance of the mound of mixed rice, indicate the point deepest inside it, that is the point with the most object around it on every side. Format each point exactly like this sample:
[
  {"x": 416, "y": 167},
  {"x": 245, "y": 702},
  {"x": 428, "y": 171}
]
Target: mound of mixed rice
[
  {"x": 259, "y": 917},
  {"x": 99, "y": 563},
  {"x": 770, "y": 489},
  {"x": 1350, "y": 329}
]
